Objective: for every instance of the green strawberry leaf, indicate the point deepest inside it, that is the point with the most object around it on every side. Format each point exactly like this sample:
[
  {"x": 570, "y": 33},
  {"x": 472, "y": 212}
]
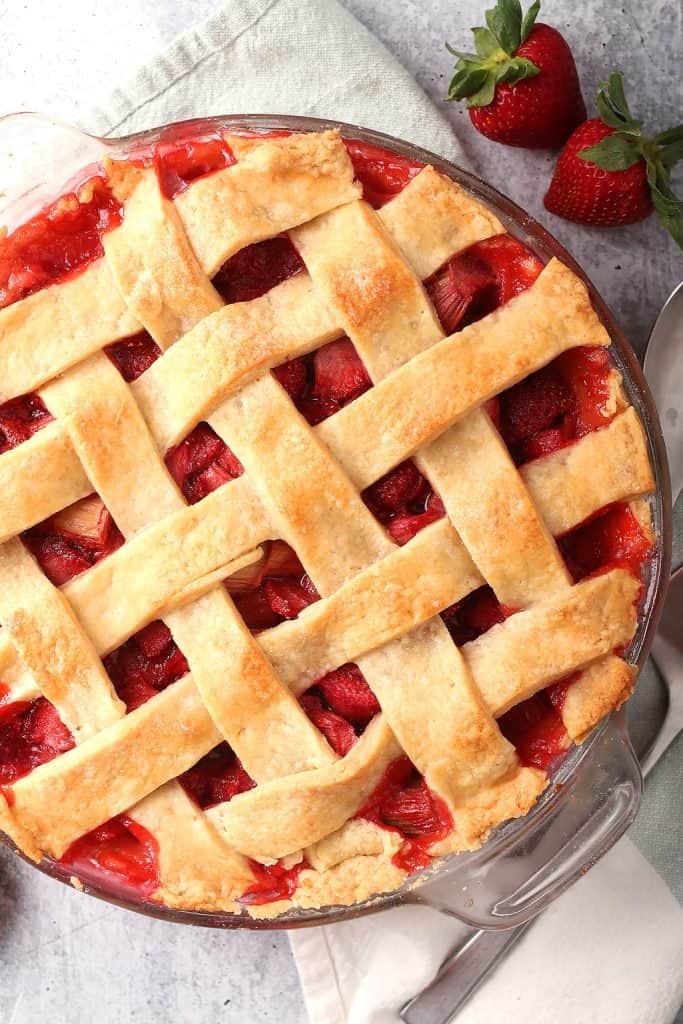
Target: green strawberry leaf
[
  {"x": 613, "y": 153},
  {"x": 476, "y": 75},
  {"x": 462, "y": 53},
  {"x": 517, "y": 69},
  {"x": 467, "y": 81},
  {"x": 505, "y": 22},
  {"x": 486, "y": 43},
  {"x": 530, "y": 19},
  {"x": 668, "y": 206},
  {"x": 612, "y": 106},
  {"x": 484, "y": 96},
  {"x": 617, "y": 96},
  {"x": 670, "y": 146}
]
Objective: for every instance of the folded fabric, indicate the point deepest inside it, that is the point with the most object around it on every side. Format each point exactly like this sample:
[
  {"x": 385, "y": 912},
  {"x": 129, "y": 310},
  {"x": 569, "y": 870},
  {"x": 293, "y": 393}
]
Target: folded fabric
[
  {"x": 609, "y": 950},
  {"x": 307, "y": 57}
]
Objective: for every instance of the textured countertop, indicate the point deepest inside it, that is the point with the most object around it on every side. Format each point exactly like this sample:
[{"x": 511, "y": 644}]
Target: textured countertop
[{"x": 67, "y": 958}]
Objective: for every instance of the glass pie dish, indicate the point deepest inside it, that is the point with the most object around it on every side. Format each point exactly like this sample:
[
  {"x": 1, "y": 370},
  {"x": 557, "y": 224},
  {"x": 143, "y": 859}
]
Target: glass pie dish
[{"x": 595, "y": 792}]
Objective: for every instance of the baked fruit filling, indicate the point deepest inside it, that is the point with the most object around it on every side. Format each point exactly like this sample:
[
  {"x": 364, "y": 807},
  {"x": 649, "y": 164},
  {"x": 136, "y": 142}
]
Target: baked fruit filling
[{"x": 547, "y": 411}]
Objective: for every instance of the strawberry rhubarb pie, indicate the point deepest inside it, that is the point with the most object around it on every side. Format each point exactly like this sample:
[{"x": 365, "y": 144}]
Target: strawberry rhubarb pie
[{"x": 323, "y": 524}]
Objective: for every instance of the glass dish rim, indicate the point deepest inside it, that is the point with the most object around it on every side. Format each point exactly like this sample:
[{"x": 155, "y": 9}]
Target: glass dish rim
[{"x": 523, "y": 226}]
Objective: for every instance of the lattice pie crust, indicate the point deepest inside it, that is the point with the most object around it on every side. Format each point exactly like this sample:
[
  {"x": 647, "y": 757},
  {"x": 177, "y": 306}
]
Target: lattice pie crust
[{"x": 379, "y": 605}]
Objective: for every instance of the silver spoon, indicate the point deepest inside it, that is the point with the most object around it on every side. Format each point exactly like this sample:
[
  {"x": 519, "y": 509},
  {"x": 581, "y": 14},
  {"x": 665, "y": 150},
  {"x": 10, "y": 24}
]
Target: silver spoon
[
  {"x": 465, "y": 970},
  {"x": 664, "y": 371}
]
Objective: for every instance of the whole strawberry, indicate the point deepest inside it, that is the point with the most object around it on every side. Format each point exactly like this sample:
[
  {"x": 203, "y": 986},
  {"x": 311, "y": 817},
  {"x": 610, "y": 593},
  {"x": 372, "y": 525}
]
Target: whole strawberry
[
  {"x": 609, "y": 173},
  {"x": 521, "y": 85}
]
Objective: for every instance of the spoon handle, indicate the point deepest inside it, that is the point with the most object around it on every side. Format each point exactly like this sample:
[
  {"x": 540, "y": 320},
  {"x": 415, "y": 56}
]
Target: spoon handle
[{"x": 460, "y": 975}]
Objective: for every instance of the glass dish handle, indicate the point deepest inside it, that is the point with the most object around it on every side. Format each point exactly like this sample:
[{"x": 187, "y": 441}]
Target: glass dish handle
[{"x": 510, "y": 881}]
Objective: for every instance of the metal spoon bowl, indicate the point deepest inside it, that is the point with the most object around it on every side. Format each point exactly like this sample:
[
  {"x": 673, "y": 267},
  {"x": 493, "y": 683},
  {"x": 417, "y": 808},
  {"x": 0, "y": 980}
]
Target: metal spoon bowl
[{"x": 664, "y": 372}]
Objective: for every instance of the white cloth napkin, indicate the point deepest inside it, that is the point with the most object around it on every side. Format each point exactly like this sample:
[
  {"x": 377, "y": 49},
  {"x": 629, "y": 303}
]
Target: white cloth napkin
[{"x": 611, "y": 949}]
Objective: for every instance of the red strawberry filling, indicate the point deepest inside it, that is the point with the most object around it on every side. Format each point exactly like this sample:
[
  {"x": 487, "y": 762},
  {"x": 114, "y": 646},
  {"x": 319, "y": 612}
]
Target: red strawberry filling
[
  {"x": 145, "y": 665},
  {"x": 201, "y": 463},
  {"x": 218, "y": 777},
  {"x": 256, "y": 269},
  {"x": 536, "y": 729},
  {"x": 133, "y": 356},
  {"x": 474, "y": 615},
  {"x": 179, "y": 161},
  {"x": 556, "y": 405},
  {"x": 322, "y": 383},
  {"x": 73, "y": 540},
  {"x": 20, "y": 418},
  {"x": 403, "y": 803},
  {"x": 272, "y": 882},
  {"x": 31, "y": 733},
  {"x": 382, "y": 173},
  {"x": 404, "y": 502},
  {"x": 339, "y": 733},
  {"x": 58, "y": 242},
  {"x": 613, "y": 538},
  {"x": 341, "y": 704},
  {"x": 475, "y": 282},
  {"x": 119, "y": 855},
  {"x": 346, "y": 692},
  {"x": 273, "y": 589}
]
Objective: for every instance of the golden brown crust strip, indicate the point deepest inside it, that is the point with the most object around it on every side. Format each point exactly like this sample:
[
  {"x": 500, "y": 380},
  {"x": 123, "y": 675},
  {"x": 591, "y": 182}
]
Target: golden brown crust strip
[
  {"x": 535, "y": 647},
  {"x": 50, "y": 642},
  {"x": 553, "y": 315}
]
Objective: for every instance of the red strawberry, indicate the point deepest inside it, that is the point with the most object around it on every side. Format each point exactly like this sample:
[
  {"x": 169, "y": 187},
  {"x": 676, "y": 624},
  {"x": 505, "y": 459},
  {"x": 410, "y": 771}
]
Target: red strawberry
[
  {"x": 59, "y": 560},
  {"x": 348, "y": 694},
  {"x": 609, "y": 173},
  {"x": 315, "y": 410},
  {"x": 287, "y": 597},
  {"x": 338, "y": 732},
  {"x": 396, "y": 490},
  {"x": 257, "y": 268},
  {"x": 218, "y": 777},
  {"x": 536, "y": 403},
  {"x": 514, "y": 266},
  {"x": 154, "y": 639},
  {"x": 521, "y": 85},
  {"x": 462, "y": 291},
  {"x": 256, "y": 611},
  {"x": 590, "y": 194},
  {"x": 48, "y": 730},
  {"x": 339, "y": 372},
  {"x": 404, "y": 526},
  {"x": 20, "y": 418},
  {"x": 30, "y": 734},
  {"x": 292, "y": 376},
  {"x": 474, "y": 615},
  {"x": 543, "y": 443},
  {"x": 133, "y": 356},
  {"x": 201, "y": 463},
  {"x": 309, "y": 586}
]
